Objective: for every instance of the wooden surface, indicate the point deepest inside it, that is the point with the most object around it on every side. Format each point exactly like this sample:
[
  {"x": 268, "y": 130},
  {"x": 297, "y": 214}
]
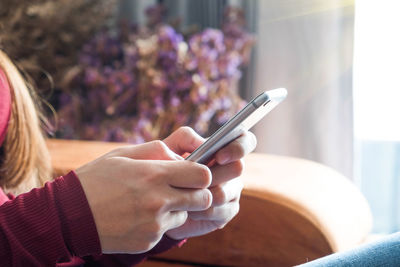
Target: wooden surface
[{"x": 292, "y": 211}]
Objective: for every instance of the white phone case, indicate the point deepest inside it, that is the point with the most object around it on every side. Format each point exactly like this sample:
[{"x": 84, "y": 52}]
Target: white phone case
[{"x": 241, "y": 122}]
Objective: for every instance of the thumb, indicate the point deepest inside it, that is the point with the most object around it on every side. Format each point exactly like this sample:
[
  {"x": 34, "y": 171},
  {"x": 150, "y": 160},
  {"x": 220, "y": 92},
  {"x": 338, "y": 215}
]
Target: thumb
[{"x": 184, "y": 140}]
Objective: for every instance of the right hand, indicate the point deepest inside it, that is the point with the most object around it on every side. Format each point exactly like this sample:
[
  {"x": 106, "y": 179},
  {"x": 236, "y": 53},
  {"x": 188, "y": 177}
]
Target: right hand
[{"x": 135, "y": 201}]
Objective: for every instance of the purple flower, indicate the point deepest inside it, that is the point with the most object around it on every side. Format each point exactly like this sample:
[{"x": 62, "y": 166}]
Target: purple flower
[
  {"x": 140, "y": 83},
  {"x": 155, "y": 15}
]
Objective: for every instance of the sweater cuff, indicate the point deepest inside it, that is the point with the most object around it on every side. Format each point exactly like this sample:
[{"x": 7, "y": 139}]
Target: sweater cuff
[{"x": 78, "y": 225}]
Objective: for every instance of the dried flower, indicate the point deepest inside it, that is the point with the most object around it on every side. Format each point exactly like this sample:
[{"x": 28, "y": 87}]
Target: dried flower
[
  {"x": 141, "y": 84},
  {"x": 44, "y": 36}
]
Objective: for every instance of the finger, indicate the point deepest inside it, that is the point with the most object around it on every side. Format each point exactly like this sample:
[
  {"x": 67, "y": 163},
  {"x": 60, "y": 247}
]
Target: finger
[
  {"x": 186, "y": 231},
  {"x": 187, "y": 174},
  {"x": 155, "y": 150},
  {"x": 193, "y": 228},
  {"x": 184, "y": 140},
  {"x": 223, "y": 213},
  {"x": 190, "y": 200},
  {"x": 222, "y": 173},
  {"x": 237, "y": 149},
  {"x": 175, "y": 219},
  {"x": 226, "y": 192}
]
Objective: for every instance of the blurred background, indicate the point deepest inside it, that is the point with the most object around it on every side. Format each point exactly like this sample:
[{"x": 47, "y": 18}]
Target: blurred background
[{"x": 135, "y": 70}]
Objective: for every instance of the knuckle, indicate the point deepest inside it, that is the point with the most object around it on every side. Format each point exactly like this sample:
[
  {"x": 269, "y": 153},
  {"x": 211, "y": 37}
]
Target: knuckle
[
  {"x": 236, "y": 149},
  {"x": 219, "y": 196},
  {"x": 182, "y": 217},
  {"x": 189, "y": 135},
  {"x": 159, "y": 145},
  {"x": 239, "y": 150},
  {"x": 206, "y": 175},
  {"x": 156, "y": 206},
  {"x": 161, "y": 148},
  {"x": 207, "y": 198},
  {"x": 238, "y": 167},
  {"x": 186, "y": 131}
]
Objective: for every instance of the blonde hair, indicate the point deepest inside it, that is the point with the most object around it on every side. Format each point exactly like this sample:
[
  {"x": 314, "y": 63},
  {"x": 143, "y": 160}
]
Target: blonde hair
[{"x": 26, "y": 159}]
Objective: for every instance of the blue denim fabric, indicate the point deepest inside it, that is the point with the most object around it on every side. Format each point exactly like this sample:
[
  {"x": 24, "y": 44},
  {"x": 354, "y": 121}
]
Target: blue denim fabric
[{"x": 383, "y": 252}]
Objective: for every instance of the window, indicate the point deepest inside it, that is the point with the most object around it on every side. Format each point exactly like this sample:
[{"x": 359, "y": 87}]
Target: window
[{"x": 377, "y": 109}]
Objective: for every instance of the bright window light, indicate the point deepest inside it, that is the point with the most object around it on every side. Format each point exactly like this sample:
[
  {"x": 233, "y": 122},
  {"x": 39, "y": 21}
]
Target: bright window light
[{"x": 377, "y": 70}]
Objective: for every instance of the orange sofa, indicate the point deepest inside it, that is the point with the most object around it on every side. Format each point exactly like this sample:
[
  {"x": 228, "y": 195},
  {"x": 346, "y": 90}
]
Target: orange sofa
[{"x": 292, "y": 211}]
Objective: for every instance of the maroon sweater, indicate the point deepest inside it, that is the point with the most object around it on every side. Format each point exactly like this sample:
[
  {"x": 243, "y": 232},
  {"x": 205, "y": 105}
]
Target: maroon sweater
[{"x": 53, "y": 225}]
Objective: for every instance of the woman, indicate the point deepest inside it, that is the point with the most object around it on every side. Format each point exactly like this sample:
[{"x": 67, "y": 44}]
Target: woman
[{"x": 118, "y": 209}]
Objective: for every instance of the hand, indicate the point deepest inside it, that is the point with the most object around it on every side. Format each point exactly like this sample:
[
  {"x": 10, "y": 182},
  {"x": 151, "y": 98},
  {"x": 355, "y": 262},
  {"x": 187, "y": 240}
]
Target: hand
[
  {"x": 225, "y": 188},
  {"x": 134, "y": 201}
]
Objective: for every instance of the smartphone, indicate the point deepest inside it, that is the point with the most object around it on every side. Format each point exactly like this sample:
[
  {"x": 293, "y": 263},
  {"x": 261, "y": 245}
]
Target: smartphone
[{"x": 237, "y": 125}]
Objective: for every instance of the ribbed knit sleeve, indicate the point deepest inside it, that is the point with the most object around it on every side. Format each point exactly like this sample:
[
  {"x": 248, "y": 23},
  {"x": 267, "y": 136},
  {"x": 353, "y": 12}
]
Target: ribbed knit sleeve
[{"x": 47, "y": 225}]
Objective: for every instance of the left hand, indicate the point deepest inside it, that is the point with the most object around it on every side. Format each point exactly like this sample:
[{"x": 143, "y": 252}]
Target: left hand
[{"x": 226, "y": 185}]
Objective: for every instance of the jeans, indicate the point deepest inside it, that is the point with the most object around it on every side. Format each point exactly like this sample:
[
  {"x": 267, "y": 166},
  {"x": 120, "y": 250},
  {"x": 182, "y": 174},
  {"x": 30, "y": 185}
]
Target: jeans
[{"x": 383, "y": 252}]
